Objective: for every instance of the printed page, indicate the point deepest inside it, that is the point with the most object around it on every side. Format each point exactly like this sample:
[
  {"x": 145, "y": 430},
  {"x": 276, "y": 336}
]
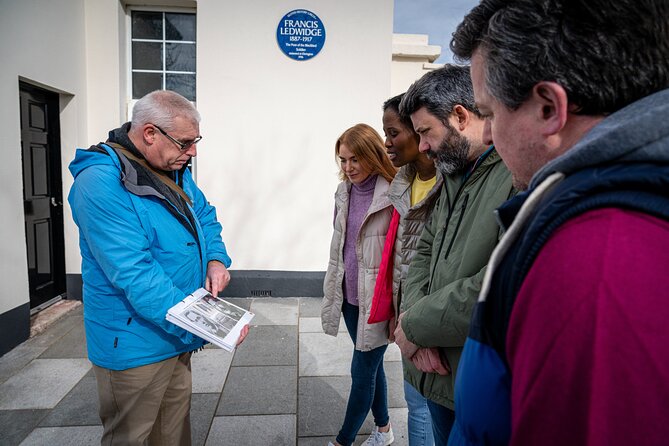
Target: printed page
[{"x": 211, "y": 318}]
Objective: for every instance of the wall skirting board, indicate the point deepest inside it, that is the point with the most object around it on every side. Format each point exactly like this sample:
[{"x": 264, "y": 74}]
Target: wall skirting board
[
  {"x": 14, "y": 327},
  {"x": 250, "y": 283}
]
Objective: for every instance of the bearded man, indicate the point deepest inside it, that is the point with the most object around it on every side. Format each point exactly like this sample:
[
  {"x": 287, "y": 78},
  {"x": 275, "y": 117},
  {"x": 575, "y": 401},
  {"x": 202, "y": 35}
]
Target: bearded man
[{"x": 445, "y": 276}]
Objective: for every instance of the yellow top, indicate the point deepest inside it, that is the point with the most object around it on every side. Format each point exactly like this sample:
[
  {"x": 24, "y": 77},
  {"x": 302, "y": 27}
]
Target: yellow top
[{"x": 420, "y": 188}]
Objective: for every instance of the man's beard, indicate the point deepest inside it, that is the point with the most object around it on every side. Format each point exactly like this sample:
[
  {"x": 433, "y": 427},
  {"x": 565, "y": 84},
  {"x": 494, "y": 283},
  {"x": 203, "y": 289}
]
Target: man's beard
[{"x": 452, "y": 158}]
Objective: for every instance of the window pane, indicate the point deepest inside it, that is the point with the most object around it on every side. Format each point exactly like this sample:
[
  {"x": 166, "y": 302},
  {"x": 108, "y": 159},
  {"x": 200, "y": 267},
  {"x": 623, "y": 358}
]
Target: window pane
[
  {"x": 147, "y": 56},
  {"x": 179, "y": 57},
  {"x": 180, "y": 27},
  {"x": 147, "y": 25},
  {"x": 184, "y": 84},
  {"x": 143, "y": 83}
]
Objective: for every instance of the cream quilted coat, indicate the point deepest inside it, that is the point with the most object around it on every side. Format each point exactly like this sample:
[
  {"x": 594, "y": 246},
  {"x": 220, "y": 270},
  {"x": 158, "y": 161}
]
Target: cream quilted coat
[{"x": 369, "y": 248}]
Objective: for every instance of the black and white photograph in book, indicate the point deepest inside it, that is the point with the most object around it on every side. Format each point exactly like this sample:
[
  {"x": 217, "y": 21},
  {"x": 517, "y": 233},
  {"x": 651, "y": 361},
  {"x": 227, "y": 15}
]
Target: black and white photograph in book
[{"x": 210, "y": 318}]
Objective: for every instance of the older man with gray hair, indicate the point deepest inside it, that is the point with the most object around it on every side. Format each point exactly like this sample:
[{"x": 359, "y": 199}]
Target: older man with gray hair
[
  {"x": 445, "y": 275},
  {"x": 148, "y": 238}
]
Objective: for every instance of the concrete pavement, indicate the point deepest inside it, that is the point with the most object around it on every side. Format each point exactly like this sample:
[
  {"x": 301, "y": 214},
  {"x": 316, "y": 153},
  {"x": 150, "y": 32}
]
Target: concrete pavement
[{"x": 286, "y": 385}]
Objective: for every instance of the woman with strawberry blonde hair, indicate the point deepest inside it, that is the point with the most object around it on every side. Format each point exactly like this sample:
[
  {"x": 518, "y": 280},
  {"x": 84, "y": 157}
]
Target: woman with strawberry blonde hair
[{"x": 362, "y": 215}]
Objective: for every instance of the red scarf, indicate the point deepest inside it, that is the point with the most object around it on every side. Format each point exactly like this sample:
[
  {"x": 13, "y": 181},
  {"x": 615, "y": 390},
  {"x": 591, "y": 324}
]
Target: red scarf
[{"x": 382, "y": 302}]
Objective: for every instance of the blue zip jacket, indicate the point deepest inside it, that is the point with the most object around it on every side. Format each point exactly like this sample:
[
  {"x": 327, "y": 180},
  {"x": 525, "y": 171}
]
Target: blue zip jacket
[{"x": 140, "y": 256}]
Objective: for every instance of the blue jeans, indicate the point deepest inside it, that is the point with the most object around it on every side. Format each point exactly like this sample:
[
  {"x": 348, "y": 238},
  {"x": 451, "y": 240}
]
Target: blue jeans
[
  {"x": 368, "y": 384},
  {"x": 442, "y": 422},
  {"x": 419, "y": 423}
]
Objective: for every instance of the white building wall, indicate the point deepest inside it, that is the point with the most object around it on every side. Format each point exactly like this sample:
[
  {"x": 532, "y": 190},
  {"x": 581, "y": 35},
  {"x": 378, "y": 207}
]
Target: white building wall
[
  {"x": 43, "y": 44},
  {"x": 270, "y": 123}
]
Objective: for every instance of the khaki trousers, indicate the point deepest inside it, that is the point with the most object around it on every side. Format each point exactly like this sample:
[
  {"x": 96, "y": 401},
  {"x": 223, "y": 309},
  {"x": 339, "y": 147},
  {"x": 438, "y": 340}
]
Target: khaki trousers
[{"x": 146, "y": 405}]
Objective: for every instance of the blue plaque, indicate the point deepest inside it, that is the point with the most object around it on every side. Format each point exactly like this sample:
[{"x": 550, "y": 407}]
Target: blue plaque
[{"x": 300, "y": 34}]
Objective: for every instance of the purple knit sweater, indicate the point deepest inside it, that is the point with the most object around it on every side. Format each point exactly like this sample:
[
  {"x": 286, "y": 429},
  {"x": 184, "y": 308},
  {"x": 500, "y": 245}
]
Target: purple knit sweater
[{"x": 359, "y": 201}]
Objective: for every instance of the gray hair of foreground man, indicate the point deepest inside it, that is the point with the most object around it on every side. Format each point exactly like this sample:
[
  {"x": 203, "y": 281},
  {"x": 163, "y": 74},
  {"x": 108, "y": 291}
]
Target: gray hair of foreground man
[
  {"x": 439, "y": 91},
  {"x": 160, "y": 107},
  {"x": 604, "y": 54}
]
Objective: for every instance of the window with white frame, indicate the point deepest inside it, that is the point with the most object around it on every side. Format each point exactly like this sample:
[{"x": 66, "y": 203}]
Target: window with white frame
[{"x": 163, "y": 53}]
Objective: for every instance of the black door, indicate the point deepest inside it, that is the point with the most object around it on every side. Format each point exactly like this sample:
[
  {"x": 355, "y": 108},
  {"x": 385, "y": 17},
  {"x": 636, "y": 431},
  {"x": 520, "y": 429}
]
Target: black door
[{"x": 42, "y": 193}]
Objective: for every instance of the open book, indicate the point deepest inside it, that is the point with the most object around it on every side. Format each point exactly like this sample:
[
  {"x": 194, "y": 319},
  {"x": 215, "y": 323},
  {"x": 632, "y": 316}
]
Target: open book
[{"x": 210, "y": 318}]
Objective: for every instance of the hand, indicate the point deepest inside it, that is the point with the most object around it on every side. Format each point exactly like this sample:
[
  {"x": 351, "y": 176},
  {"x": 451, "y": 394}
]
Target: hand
[
  {"x": 218, "y": 277},
  {"x": 429, "y": 360},
  {"x": 392, "y": 324},
  {"x": 407, "y": 347},
  {"x": 242, "y": 335}
]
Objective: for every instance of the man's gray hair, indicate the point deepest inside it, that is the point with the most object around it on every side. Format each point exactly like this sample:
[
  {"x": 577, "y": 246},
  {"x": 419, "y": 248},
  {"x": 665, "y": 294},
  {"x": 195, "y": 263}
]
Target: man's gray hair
[
  {"x": 439, "y": 91},
  {"x": 161, "y": 107},
  {"x": 604, "y": 54}
]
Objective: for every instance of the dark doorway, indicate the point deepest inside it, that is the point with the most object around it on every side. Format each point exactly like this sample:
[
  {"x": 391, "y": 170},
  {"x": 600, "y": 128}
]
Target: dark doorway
[{"x": 42, "y": 193}]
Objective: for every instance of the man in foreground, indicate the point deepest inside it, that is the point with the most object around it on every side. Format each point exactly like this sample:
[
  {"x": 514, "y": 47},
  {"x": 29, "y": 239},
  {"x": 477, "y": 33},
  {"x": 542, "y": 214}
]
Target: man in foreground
[
  {"x": 148, "y": 238},
  {"x": 569, "y": 340},
  {"x": 445, "y": 274}
]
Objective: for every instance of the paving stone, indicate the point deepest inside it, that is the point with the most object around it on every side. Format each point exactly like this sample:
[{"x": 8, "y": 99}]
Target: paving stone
[
  {"x": 324, "y": 355},
  {"x": 395, "y": 382},
  {"x": 16, "y": 425},
  {"x": 310, "y": 325},
  {"x": 275, "y": 311},
  {"x": 78, "y": 408},
  {"x": 202, "y": 409},
  {"x": 259, "y": 390},
  {"x": 261, "y": 402},
  {"x": 268, "y": 345},
  {"x": 243, "y": 302},
  {"x": 322, "y": 402},
  {"x": 210, "y": 368},
  {"x": 321, "y": 441},
  {"x": 310, "y": 306},
  {"x": 70, "y": 345},
  {"x": 322, "y": 405},
  {"x": 14, "y": 360},
  {"x": 78, "y": 435},
  {"x": 313, "y": 325},
  {"x": 275, "y": 430},
  {"x": 398, "y": 420},
  {"x": 42, "y": 383},
  {"x": 393, "y": 353},
  {"x": 58, "y": 329}
]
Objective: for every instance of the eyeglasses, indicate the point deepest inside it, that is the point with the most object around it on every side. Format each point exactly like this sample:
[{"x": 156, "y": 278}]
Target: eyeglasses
[{"x": 183, "y": 146}]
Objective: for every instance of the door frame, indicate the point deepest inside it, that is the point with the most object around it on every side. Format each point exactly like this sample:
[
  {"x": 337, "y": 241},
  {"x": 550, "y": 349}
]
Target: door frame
[{"x": 55, "y": 180}]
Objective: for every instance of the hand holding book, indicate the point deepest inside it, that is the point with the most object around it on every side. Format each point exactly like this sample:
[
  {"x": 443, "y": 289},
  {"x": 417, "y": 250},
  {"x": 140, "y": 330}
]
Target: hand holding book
[
  {"x": 243, "y": 333},
  {"x": 211, "y": 318}
]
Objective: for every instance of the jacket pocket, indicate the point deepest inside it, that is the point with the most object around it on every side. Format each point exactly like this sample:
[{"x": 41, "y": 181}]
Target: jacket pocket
[{"x": 369, "y": 282}]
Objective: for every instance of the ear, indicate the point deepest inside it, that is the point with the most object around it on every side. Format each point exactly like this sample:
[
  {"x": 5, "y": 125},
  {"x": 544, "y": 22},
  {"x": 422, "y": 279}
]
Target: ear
[
  {"x": 461, "y": 117},
  {"x": 149, "y": 134},
  {"x": 552, "y": 105}
]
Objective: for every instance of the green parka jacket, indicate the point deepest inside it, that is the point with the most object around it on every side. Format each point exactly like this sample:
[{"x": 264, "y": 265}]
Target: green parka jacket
[{"x": 445, "y": 275}]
